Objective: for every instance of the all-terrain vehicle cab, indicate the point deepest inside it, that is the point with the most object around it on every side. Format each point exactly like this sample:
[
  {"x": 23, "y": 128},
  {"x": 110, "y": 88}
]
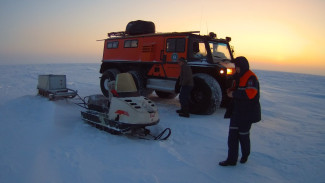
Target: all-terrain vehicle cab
[{"x": 151, "y": 58}]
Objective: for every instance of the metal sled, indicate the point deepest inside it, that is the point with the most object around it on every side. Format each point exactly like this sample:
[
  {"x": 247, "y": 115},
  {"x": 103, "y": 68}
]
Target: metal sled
[{"x": 54, "y": 86}]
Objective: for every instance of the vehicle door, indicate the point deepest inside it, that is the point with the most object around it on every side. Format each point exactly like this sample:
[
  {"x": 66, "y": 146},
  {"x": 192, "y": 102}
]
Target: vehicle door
[{"x": 175, "y": 48}]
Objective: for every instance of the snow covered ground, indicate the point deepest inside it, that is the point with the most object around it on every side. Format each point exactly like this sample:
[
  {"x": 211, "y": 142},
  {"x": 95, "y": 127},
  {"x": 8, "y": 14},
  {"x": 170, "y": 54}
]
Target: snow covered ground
[{"x": 47, "y": 141}]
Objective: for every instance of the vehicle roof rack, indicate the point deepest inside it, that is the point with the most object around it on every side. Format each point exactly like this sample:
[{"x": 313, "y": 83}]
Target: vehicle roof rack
[
  {"x": 189, "y": 32},
  {"x": 123, "y": 34},
  {"x": 116, "y": 34}
]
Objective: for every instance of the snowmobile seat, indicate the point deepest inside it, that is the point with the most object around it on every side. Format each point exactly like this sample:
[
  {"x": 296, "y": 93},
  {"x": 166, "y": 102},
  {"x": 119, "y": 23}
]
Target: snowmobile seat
[{"x": 125, "y": 86}]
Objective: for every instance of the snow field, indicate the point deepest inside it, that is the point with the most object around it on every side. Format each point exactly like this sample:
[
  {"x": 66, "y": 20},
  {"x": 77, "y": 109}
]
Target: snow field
[{"x": 47, "y": 141}]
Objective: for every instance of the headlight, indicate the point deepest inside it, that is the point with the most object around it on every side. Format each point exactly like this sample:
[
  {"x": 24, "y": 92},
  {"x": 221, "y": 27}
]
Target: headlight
[{"x": 230, "y": 71}]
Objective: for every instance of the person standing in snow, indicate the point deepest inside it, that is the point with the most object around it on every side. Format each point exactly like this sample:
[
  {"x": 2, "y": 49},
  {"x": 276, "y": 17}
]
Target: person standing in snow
[
  {"x": 244, "y": 109},
  {"x": 186, "y": 85}
]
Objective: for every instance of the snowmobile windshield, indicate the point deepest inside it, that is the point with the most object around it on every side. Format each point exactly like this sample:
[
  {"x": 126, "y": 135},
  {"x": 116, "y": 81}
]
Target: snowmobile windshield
[{"x": 219, "y": 52}]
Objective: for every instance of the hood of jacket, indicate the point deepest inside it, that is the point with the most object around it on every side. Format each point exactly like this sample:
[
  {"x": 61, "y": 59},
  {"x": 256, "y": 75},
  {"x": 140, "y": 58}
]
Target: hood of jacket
[{"x": 243, "y": 64}]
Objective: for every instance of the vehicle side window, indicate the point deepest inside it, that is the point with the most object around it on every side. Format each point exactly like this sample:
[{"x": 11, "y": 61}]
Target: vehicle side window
[
  {"x": 131, "y": 44},
  {"x": 197, "y": 49},
  {"x": 175, "y": 45},
  {"x": 112, "y": 44}
]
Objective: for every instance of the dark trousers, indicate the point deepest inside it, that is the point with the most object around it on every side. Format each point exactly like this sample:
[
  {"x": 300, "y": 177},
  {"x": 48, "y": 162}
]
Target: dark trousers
[
  {"x": 238, "y": 133},
  {"x": 184, "y": 98}
]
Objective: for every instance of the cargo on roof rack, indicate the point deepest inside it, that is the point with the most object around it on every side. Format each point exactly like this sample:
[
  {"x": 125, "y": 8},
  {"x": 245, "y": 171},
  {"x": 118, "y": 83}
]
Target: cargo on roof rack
[
  {"x": 116, "y": 34},
  {"x": 140, "y": 27}
]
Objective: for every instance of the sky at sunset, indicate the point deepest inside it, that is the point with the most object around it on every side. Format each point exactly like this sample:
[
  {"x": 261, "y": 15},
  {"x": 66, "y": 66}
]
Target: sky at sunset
[{"x": 280, "y": 35}]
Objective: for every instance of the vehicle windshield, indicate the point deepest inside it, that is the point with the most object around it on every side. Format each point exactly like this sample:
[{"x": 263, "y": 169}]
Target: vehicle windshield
[{"x": 219, "y": 52}]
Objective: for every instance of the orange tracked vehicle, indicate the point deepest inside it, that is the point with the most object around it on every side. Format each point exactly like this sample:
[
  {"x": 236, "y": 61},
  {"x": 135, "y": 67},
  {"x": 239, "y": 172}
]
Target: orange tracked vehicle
[{"x": 152, "y": 57}]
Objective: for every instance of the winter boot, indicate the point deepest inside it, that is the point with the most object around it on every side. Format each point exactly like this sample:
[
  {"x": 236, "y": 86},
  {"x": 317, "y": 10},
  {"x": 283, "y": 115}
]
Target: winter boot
[
  {"x": 183, "y": 114},
  {"x": 243, "y": 159},
  {"x": 227, "y": 163},
  {"x": 179, "y": 111}
]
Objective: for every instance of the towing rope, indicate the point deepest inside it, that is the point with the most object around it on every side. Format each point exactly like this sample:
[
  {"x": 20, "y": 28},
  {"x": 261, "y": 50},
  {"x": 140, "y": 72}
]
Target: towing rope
[{"x": 82, "y": 104}]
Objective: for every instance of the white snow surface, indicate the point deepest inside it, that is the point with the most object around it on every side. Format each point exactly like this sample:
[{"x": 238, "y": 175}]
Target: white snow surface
[{"x": 47, "y": 141}]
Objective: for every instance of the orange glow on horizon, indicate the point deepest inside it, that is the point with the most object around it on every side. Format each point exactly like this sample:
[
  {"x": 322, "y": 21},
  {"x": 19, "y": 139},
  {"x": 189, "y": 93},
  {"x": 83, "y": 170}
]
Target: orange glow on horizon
[{"x": 271, "y": 34}]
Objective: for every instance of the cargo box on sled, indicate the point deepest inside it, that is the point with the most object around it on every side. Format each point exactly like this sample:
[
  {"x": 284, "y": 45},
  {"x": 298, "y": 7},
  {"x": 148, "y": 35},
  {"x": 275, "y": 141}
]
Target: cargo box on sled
[{"x": 54, "y": 86}]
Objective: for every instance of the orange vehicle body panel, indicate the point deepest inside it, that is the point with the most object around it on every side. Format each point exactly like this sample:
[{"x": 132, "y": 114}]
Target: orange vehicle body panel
[{"x": 149, "y": 49}]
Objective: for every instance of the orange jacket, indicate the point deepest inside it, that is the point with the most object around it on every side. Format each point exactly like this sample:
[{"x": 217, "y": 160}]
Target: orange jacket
[
  {"x": 245, "y": 104},
  {"x": 248, "y": 85}
]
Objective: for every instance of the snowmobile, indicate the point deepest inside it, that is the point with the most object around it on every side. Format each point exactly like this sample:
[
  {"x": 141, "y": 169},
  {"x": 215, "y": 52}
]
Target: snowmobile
[{"x": 124, "y": 111}]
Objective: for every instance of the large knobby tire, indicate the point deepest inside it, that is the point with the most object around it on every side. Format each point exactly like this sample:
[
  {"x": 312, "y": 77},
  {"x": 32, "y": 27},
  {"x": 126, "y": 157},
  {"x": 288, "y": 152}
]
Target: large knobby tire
[
  {"x": 165, "y": 95},
  {"x": 206, "y": 95},
  {"x": 140, "y": 82},
  {"x": 107, "y": 76}
]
